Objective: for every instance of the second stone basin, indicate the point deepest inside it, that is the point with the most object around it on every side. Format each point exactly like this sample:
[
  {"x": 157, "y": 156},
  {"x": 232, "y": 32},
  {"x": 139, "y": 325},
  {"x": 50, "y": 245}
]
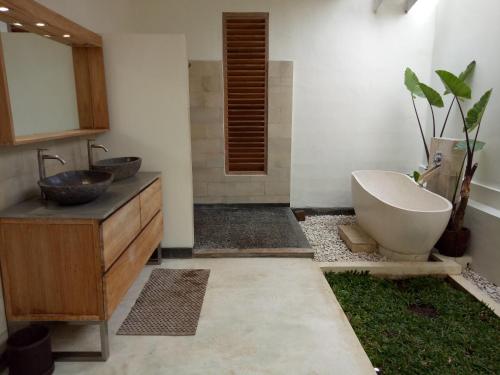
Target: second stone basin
[
  {"x": 121, "y": 168},
  {"x": 75, "y": 187}
]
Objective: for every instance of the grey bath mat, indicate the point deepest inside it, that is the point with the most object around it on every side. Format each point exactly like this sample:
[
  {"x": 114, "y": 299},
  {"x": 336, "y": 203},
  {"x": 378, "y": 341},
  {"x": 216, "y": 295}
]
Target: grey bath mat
[{"x": 169, "y": 304}]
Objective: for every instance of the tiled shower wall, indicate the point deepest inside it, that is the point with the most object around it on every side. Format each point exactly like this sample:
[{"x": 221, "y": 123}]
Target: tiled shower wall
[{"x": 210, "y": 183}]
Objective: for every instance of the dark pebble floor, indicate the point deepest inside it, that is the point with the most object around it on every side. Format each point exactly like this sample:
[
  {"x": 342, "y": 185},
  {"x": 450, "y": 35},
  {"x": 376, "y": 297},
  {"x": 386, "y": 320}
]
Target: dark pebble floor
[{"x": 246, "y": 227}]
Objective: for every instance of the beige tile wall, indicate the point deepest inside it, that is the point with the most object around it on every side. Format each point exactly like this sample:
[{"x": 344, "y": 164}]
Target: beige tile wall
[
  {"x": 211, "y": 184},
  {"x": 19, "y": 168}
]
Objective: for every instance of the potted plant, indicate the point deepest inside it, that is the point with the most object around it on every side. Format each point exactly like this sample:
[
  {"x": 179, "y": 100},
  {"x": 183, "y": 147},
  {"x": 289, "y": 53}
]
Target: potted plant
[
  {"x": 434, "y": 99},
  {"x": 456, "y": 237}
]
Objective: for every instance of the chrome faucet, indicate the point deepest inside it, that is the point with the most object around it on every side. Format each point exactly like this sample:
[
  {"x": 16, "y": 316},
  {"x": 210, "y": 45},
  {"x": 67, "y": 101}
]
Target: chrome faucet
[
  {"x": 41, "y": 161},
  {"x": 90, "y": 146},
  {"x": 436, "y": 161}
]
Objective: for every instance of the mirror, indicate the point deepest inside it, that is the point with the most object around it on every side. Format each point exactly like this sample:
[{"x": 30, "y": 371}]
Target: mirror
[
  {"x": 41, "y": 84},
  {"x": 52, "y": 78}
]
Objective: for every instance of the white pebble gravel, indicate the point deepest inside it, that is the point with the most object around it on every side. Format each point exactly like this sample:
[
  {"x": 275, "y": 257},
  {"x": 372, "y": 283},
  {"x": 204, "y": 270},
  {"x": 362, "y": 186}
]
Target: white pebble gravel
[
  {"x": 322, "y": 234},
  {"x": 489, "y": 288}
]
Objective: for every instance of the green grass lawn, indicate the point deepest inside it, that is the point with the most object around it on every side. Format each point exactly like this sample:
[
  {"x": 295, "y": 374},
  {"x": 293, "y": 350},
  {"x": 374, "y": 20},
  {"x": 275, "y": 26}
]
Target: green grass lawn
[{"x": 419, "y": 326}]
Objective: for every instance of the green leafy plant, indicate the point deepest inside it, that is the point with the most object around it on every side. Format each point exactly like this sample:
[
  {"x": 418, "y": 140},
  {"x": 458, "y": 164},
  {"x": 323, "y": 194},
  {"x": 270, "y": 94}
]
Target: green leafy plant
[
  {"x": 416, "y": 176},
  {"x": 465, "y": 76},
  {"x": 413, "y": 85},
  {"x": 434, "y": 99},
  {"x": 459, "y": 88}
]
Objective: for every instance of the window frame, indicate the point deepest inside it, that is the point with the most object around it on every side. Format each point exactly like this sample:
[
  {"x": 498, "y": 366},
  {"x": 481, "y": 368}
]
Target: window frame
[{"x": 242, "y": 15}]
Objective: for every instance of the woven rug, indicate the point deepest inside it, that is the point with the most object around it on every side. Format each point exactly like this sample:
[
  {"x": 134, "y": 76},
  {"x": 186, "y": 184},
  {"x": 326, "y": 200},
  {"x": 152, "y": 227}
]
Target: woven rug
[{"x": 169, "y": 304}]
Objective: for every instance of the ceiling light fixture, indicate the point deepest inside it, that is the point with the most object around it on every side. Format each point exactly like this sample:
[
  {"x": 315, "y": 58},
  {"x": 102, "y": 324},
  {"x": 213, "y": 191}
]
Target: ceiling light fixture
[
  {"x": 18, "y": 24},
  {"x": 40, "y": 24},
  {"x": 4, "y": 9},
  {"x": 66, "y": 36}
]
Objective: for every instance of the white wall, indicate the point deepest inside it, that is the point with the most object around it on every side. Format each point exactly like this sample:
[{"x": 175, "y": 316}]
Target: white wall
[
  {"x": 120, "y": 17},
  {"x": 351, "y": 109},
  {"x": 474, "y": 23},
  {"x": 148, "y": 98},
  {"x": 100, "y": 16},
  {"x": 468, "y": 30},
  {"x": 484, "y": 223}
]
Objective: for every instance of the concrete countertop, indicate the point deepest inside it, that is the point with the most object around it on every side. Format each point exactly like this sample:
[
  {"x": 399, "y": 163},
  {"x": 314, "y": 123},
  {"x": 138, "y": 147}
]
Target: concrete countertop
[{"x": 117, "y": 195}]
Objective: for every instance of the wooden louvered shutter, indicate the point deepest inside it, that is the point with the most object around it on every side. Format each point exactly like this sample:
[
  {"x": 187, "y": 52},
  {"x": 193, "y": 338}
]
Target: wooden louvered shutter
[{"x": 245, "y": 92}]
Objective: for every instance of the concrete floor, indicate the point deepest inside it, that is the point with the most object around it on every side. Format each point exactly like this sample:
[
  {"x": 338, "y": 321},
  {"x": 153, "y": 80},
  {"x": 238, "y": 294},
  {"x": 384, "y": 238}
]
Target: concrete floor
[{"x": 260, "y": 316}]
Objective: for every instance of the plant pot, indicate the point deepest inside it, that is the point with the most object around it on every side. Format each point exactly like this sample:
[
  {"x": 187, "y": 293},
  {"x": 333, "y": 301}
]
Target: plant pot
[
  {"x": 29, "y": 352},
  {"x": 454, "y": 243}
]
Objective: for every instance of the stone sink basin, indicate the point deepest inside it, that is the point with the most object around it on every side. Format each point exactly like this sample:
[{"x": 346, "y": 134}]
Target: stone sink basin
[
  {"x": 75, "y": 187},
  {"x": 121, "y": 168}
]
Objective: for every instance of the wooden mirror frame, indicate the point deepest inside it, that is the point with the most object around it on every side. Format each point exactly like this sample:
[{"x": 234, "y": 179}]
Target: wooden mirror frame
[{"x": 88, "y": 63}]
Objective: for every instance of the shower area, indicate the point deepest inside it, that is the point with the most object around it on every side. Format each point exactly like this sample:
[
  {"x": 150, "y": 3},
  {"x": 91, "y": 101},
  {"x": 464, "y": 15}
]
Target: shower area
[{"x": 243, "y": 213}]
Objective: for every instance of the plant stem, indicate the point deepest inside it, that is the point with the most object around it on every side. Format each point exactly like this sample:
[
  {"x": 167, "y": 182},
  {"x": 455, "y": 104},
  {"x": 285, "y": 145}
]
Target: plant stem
[
  {"x": 462, "y": 167},
  {"x": 420, "y": 126},
  {"x": 458, "y": 181},
  {"x": 457, "y": 219},
  {"x": 433, "y": 120},
  {"x": 475, "y": 138},
  {"x": 459, "y": 213},
  {"x": 447, "y": 115},
  {"x": 469, "y": 151}
]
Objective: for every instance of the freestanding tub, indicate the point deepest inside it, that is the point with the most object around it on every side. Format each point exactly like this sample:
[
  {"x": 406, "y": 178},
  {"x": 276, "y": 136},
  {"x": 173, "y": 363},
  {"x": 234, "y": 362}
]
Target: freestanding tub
[{"x": 405, "y": 219}]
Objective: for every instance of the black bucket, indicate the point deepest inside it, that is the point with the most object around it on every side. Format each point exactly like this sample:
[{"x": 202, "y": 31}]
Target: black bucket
[{"x": 29, "y": 352}]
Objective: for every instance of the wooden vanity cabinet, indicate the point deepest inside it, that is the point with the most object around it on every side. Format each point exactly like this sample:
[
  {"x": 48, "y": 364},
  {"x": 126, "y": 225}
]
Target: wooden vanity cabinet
[{"x": 59, "y": 269}]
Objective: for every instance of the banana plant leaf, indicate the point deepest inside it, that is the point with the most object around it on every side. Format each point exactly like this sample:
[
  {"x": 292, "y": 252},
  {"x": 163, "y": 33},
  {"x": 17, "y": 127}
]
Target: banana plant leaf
[
  {"x": 412, "y": 83},
  {"x": 475, "y": 114},
  {"x": 462, "y": 145},
  {"x": 456, "y": 86},
  {"x": 432, "y": 96},
  {"x": 465, "y": 75}
]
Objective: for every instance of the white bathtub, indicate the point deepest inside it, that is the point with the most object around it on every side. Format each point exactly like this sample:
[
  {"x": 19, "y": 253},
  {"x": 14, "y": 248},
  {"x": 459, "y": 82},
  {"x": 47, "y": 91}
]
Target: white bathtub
[{"x": 405, "y": 219}]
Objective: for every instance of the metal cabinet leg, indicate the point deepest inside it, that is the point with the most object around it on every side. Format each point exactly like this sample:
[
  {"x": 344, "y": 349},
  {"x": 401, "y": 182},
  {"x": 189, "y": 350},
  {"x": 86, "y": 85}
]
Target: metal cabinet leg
[{"x": 103, "y": 331}]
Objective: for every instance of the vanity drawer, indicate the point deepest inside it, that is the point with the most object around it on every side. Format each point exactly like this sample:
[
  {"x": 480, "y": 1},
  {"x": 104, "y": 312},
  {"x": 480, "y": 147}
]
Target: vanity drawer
[
  {"x": 151, "y": 202},
  {"x": 126, "y": 269},
  {"x": 119, "y": 231}
]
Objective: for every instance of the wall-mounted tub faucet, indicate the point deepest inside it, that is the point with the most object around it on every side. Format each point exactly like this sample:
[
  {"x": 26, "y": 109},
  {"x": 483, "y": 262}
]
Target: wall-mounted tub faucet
[
  {"x": 90, "y": 146},
  {"x": 436, "y": 161}
]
